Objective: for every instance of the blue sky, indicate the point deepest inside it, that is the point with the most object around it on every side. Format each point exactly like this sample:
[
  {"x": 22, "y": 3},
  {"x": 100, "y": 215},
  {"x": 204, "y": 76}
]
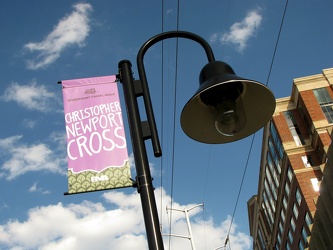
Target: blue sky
[{"x": 44, "y": 42}]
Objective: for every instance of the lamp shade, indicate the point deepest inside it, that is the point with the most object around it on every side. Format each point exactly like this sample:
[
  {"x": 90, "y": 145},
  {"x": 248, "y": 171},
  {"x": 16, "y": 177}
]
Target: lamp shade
[{"x": 226, "y": 107}]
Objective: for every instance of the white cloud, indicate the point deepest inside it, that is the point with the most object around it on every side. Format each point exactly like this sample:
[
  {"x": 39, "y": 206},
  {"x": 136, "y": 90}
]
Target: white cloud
[
  {"x": 116, "y": 223},
  {"x": 34, "y": 189},
  {"x": 4, "y": 206},
  {"x": 21, "y": 158},
  {"x": 169, "y": 12},
  {"x": 73, "y": 29},
  {"x": 240, "y": 32},
  {"x": 59, "y": 138},
  {"x": 31, "y": 96},
  {"x": 214, "y": 37},
  {"x": 28, "y": 123}
]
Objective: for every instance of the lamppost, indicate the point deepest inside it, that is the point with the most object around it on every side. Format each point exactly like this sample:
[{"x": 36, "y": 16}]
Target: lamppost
[{"x": 225, "y": 108}]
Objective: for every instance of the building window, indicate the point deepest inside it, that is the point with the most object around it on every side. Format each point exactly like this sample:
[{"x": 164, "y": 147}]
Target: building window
[
  {"x": 273, "y": 170},
  {"x": 287, "y": 246},
  {"x": 306, "y": 120},
  {"x": 322, "y": 155},
  {"x": 275, "y": 156},
  {"x": 267, "y": 196},
  {"x": 279, "y": 239},
  {"x": 308, "y": 219},
  {"x": 285, "y": 202},
  {"x": 276, "y": 140},
  {"x": 287, "y": 189},
  {"x": 325, "y": 102},
  {"x": 307, "y": 161},
  {"x": 295, "y": 211},
  {"x": 292, "y": 224},
  {"x": 276, "y": 178},
  {"x": 278, "y": 242},
  {"x": 300, "y": 245},
  {"x": 290, "y": 236},
  {"x": 290, "y": 174},
  {"x": 261, "y": 239},
  {"x": 269, "y": 160},
  {"x": 298, "y": 138},
  {"x": 298, "y": 196},
  {"x": 304, "y": 234},
  {"x": 271, "y": 184},
  {"x": 283, "y": 217},
  {"x": 267, "y": 215},
  {"x": 280, "y": 227},
  {"x": 271, "y": 217},
  {"x": 315, "y": 184}
]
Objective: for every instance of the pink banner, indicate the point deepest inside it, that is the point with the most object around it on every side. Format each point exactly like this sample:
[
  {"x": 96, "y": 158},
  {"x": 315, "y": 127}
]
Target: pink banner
[{"x": 94, "y": 127}]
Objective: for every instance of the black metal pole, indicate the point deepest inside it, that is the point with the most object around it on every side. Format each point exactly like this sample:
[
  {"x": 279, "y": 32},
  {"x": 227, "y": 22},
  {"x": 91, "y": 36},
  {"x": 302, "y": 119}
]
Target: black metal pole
[
  {"x": 143, "y": 78},
  {"x": 144, "y": 180}
]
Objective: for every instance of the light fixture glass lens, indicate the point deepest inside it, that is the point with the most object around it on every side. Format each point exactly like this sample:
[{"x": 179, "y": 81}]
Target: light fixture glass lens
[{"x": 231, "y": 117}]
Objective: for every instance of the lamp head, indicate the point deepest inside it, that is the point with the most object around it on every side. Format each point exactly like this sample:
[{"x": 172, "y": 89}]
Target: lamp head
[{"x": 226, "y": 107}]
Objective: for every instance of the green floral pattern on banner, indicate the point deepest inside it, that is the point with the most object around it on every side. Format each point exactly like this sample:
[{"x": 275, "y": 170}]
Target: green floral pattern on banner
[{"x": 88, "y": 181}]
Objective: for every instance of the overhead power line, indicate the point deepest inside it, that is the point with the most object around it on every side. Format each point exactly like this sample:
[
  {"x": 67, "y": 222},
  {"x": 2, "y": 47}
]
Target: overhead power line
[{"x": 251, "y": 146}]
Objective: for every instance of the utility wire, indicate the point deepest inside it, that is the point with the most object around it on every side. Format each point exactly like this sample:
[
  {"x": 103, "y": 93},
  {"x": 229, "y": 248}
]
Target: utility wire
[
  {"x": 277, "y": 43},
  {"x": 162, "y": 120},
  {"x": 174, "y": 124},
  {"x": 210, "y": 149},
  {"x": 240, "y": 188},
  {"x": 162, "y": 116},
  {"x": 251, "y": 146}
]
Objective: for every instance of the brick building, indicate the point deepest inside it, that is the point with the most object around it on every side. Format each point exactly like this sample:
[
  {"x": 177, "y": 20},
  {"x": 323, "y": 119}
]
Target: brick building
[{"x": 293, "y": 208}]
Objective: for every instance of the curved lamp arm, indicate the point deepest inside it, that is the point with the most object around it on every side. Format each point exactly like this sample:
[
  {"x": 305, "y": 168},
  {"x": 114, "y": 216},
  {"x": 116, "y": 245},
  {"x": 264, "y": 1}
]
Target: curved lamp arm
[{"x": 144, "y": 82}]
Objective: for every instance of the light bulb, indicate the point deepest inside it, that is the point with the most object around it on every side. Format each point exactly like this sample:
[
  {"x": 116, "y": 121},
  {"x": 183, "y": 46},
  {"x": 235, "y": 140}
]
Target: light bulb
[{"x": 230, "y": 116}]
